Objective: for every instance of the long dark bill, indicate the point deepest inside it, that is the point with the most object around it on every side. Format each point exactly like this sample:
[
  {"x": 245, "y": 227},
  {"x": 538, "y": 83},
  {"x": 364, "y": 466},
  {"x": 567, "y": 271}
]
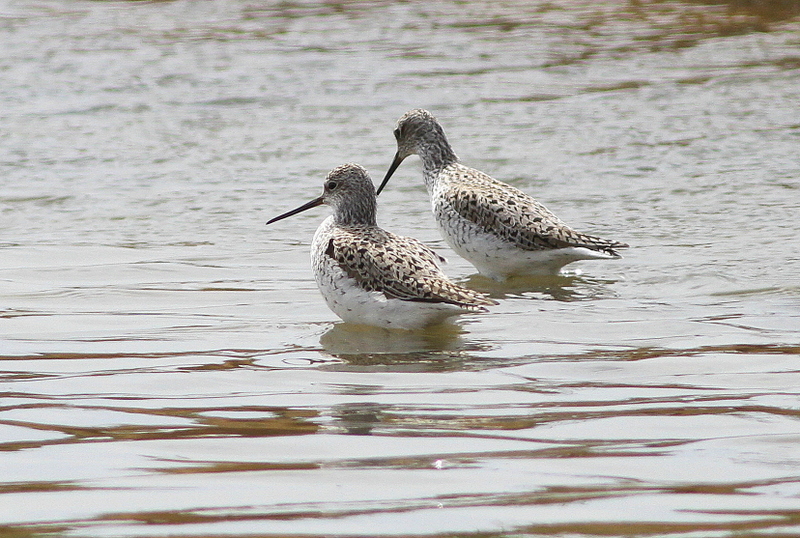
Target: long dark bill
[
  {"x": 313, "y": 203},
  {"x": 395, "y": 163}
]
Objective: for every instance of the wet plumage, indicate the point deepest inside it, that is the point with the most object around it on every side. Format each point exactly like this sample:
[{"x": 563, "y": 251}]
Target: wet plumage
[
  {"x": 370, "y": 276},
  {"x": 499, "y": 229}
]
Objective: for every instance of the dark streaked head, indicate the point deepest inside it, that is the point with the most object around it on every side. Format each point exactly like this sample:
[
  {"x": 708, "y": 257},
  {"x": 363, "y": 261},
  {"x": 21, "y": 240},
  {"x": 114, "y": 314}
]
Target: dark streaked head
[
  {"x": 348, "y": 189},
  {"x": 418, "y": 133}
]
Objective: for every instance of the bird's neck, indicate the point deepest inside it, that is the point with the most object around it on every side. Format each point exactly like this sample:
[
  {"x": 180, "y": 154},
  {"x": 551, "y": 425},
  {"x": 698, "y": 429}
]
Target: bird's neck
[
  {"x": 436, "y": 154},
  {"x": 357, "y": 214}
]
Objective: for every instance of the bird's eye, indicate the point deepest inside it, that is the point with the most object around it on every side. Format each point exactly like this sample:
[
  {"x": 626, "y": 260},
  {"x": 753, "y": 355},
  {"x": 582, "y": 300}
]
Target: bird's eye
[
  {"x": 331, "y": 185},
  {"x": 397, "y": 133}
]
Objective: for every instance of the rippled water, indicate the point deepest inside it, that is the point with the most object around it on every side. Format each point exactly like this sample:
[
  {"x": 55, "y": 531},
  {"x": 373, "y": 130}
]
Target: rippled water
[{"x": 169, "y": 368}]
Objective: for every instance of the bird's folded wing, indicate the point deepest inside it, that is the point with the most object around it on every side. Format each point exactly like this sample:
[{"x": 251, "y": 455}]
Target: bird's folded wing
[{"x": 399, "y": 267}]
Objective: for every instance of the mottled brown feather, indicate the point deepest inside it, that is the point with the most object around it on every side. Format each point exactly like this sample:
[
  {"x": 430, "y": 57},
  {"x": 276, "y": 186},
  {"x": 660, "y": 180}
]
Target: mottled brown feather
[
  {"x": 511, "y": 214},
  {"x": 400, "y": 267}
]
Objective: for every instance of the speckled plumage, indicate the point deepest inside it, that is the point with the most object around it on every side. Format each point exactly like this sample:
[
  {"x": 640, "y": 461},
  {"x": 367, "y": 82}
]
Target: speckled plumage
[
  {"x": 499, "y": 229},
  {"x": 373, "y": 277}
]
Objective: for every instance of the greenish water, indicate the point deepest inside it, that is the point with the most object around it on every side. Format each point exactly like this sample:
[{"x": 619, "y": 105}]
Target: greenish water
[{"x": 167, "y": 366}]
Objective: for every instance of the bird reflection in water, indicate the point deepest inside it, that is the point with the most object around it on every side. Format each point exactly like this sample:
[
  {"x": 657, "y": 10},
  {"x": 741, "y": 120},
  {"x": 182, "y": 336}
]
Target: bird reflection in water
[{"x": 362, "y": 345}]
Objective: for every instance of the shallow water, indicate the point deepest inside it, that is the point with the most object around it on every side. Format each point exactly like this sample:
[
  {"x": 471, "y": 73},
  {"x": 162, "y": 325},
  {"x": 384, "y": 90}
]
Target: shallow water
[{"x": 169, "y": 368}]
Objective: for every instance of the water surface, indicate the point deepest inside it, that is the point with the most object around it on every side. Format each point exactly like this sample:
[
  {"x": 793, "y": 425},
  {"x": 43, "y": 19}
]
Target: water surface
[{"x": 169, "y": 368}]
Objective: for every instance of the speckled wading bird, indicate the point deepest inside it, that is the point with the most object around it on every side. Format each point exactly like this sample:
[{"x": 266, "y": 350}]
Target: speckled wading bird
[
  {"x": 499, "y": 229},
  {"x": 373, "y": 277}
]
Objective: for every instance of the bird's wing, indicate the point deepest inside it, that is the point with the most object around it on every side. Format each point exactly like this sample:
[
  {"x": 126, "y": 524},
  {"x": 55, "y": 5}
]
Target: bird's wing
[
  {"x": 517, "y": 217},
  {"x": 399, "y": 267}
]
